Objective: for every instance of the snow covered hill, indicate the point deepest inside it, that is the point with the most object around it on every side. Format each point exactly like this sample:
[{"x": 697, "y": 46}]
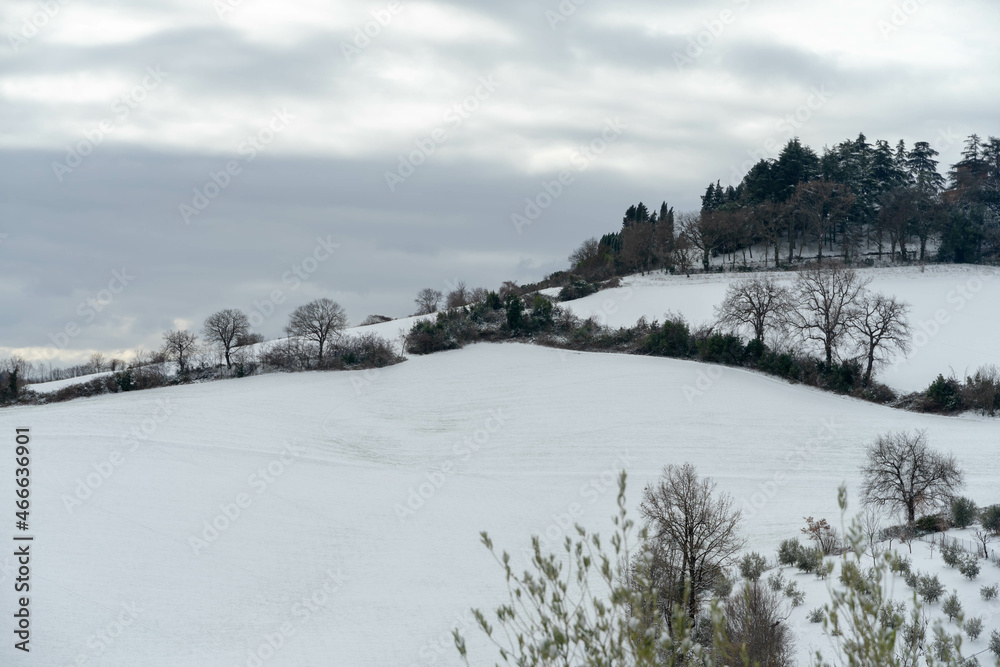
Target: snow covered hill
[
  {"x": 954, "y": 315},
  {"x": 333, "y": 518}
]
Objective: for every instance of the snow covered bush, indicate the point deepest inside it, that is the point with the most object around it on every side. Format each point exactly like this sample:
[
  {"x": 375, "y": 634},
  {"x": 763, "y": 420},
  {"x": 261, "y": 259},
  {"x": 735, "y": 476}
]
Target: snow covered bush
[
  {"x": 817, "y": 615},
  {"x": 990, "y": 519},
  {"x": 988, "y": 593},
  {"x": 995, "y": 643},
  {"x": 963, "y": 512},
  {"x": 795, "y": 594},
  {"x": 952, "y": 606},
  {"x": 788, "y": 552},
  {"x": 899, "y": 564},
  {"x": 753, "y": 566},
  {"x": 950, "y": 552},
  {"x": 973, "y": 627},
  {"x": 776, "y": 581},
  {"x": 810, "y": 560},
  {"x": 969, "y": 566},
  {"x": 930, "y": 588}
]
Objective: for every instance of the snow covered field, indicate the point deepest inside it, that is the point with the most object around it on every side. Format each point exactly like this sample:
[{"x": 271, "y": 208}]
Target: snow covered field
[
  {"x": 336, "y": 515},
  {"x": 955, "y": 313}
]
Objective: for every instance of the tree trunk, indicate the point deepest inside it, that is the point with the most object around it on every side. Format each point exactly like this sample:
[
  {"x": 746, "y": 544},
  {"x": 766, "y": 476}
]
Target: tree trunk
[{"x": 229, "y": 364}]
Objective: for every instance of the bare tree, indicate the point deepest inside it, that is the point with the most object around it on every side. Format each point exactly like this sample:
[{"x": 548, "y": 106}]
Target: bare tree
[
  {"x": 318, "y": 321},
  {"x": 225, "y": 328},
  {"x": 458, "y": 297},
  {"x": 698, "y": 531},
  {"x": 96, "y": 362},
  {"x": 758, "y": 303},
  {"x": 179, "y": 346},
  {"x": 902, "y": 472},
  {"x": 427, "y": 301},
  {"x": 825, "y": 300},
  {"x": 756, "y": 628},
  {"x": 880, "y": 327},
  {"x": 588, "y": 253}
]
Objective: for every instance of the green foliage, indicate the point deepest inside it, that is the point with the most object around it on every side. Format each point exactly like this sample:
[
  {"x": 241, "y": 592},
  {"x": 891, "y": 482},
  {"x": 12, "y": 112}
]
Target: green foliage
[
  {"x": 810, "y": 560},
  {"x": 899, "y": 564},
  {"x": 776, "y": 582},
  {"x": 929, "y": 588},
  {"x": 795, "y": 594},
  {"x": 124, "y": 380},
  {"x": 817, "y": 615},
  {"x": 944, "y": 395},
  {"x": 988, "y": 593},
  {"x": 577, "y": 290},
  {"x": 515, "y": 312},
  {"x": 990, "y": 519},
  {"x": 973, "y": 627},
  {"x": 541, "y": 312},
  {"x": 788, "y": 552},
  {"x": 493, "y": 301},
  {"x": 753, "y": 566},
  {"x": 950, "y": 552},
  {"x": 673, "y": 339},
  {"x": 995, "y": 643},
  {"x": 968, "y": 565},
  {"x": 721, "y": 348},
  {"x": 931, "y": 523},
  {"x": 963, "y": 512},
  {"x": 952, "y": 606}
]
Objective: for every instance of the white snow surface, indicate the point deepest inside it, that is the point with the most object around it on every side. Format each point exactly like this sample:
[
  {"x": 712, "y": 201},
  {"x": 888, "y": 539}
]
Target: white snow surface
[
  {"x": 56, "y": 385},
  {"x": 955, "y": 314},
  {"x": 505, "y": 438}
]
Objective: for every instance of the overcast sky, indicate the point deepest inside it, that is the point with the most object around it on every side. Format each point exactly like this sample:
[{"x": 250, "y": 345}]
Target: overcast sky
[{"x": 160, "y": 160}]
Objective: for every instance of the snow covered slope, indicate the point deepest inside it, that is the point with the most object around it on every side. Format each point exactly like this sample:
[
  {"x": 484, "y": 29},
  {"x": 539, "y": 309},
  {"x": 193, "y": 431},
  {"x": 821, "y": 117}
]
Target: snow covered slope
[
  {"x": 955, "y": 314},
  {"x": 335, "y": 516}
]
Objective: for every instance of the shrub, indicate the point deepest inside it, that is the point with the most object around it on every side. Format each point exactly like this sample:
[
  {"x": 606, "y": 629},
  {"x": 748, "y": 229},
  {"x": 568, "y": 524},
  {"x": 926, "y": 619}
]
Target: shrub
[
  {"x": 950, "y": 553},
  {"x": 817, "y": 615},
  {"x": 722, "y": 587},
  {"x": 788, "y": 552},
  {"x": 752, "y": 566},
  {"x": 995, "y": 643},
  {"x": 892, "y": 614},
  {"x": 963, "y": 512},
  {"x": 944, "y": 395},
  {"x": 823, "y": 534},
  {"x": 776, "y": 581},
  {"x": 721, "y": 348},
  {"x": 899, "y": 563},
  {"x": 952, "y": 606},
  {"x": 931, "y": 523},
  {"x": 911, "y": 578},
  {"x": 989, "y": 517},
  {"x": 929, "y": 588},
  {"x": 577, "y": 290},
  {"x": 969, "y": 566},
  {"x": 795, "y": 594},
  {"x": 973, "y": 627},
  {"x": 988, "y": 593},
  {"x": 673, "y": 339},
  {"x": 810, "y": 560}
]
